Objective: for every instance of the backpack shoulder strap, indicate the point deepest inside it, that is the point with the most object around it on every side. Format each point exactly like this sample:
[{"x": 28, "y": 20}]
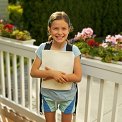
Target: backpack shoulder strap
[
  {"x": 47, "y": 45},
  {"x": 69, "y": 47}
]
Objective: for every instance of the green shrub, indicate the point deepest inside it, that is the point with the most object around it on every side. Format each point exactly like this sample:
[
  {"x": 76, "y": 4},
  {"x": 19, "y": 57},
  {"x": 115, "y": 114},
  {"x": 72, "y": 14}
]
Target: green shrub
[
  {"x": 103, "y": 16},
  {"x": 15, "y": 15}
]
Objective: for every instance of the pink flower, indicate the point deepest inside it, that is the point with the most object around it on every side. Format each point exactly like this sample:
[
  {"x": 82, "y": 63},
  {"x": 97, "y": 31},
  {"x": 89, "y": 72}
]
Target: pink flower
[
  {"x": 85, "y": 34},
  {"x": 118, "y": 36},
  {"x": 104, "y": 45},
  {"x": 111, "y": 39},
  {"x": 114, "y": 39},
  {"x": 78, "y": 36},
  {"x": 1, "y": 21}
]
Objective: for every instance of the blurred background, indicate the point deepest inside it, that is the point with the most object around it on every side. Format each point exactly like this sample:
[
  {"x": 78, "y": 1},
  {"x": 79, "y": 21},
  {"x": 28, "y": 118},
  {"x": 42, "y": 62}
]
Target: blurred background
[{"x": 103, "y": 16}]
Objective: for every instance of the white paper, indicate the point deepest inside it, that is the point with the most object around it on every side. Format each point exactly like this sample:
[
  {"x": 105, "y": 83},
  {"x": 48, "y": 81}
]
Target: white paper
[{"x": 58, "y": 60}]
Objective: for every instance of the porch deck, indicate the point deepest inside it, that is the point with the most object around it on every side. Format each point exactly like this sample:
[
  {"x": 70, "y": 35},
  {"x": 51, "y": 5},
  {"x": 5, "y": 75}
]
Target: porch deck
[{"x": 100, "y": 98}]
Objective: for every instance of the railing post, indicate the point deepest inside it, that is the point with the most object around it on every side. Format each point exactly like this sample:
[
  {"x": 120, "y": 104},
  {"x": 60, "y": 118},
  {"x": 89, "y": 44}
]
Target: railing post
[
  {"x": 15, "y": 78},
  {"x": 8, "y": 75},
  {"x": 88, "y": 99},
  {"x": 101, "y": 102},
  {"x": 29, "y": 85},
  {"x": 22, "y": 79},
  {"x": 2, "y": 72},
  {"x": 115, "y": 103},
  {"x": 38, "y": 95}
]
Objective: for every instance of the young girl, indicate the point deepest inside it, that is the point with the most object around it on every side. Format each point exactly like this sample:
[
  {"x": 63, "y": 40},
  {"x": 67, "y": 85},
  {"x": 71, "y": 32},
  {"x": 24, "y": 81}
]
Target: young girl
[{"x": 59, "y": 27}]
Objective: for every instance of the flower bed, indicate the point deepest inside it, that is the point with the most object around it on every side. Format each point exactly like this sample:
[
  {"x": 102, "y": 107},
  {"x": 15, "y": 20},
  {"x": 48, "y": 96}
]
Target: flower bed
[
  {"x": 11, "y": 31},
  {"x": 109, "y": 50}
]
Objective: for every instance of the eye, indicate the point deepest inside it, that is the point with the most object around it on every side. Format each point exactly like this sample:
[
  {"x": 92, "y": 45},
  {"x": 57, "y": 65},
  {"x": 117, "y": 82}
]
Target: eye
[
  {"x": 55, "y": 28},
  {"x": 64, "y": 28}
]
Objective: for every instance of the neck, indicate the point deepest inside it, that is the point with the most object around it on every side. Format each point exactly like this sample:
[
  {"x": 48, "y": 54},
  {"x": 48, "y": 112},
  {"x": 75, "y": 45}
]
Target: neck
[{"x": 58, "y": 46}]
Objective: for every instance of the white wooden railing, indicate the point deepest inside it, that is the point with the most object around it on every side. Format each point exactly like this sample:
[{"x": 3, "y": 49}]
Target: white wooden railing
[{"x": 99, "y": 91}]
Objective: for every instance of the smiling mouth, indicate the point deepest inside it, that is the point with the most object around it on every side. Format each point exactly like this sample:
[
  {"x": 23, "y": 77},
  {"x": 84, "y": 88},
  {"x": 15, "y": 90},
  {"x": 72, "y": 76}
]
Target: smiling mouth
[{"x": 59, "y": 37}]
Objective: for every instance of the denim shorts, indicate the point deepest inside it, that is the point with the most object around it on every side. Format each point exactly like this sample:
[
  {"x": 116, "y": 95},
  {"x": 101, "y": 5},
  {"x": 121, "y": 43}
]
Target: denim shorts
[{"x": 67, "y": 107}]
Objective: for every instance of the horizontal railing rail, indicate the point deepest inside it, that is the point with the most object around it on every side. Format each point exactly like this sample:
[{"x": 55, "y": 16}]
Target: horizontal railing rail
[{"x": 20, "y": 91}]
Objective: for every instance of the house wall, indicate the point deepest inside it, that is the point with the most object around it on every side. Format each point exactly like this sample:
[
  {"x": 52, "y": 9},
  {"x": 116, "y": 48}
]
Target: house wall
[{"x": 3, "y": 9}]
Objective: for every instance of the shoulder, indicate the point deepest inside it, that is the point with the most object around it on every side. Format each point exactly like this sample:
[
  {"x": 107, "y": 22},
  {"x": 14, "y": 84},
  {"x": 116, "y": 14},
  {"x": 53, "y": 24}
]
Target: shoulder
[
  {"x": 45, "y": 44},
  {"x": 39, "y": 50},
  {"x": 42, "y": 45},
  {"x": 76, "y": 50},
  {"x": 75, "y": 47}
]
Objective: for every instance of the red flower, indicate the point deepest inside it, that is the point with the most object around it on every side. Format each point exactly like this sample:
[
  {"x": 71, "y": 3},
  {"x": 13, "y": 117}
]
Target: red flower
[
  {"x": 9, "y": 27},
  {"x": 92, "y": 43}
]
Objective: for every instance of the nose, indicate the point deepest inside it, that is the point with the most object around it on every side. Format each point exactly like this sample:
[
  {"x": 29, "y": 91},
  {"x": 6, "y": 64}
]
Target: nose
[{"x": 59, "y": 31}]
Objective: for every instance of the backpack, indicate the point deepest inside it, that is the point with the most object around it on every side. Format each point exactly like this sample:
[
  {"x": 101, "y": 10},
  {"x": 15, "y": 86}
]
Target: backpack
[{"x": 68, "y": 48}]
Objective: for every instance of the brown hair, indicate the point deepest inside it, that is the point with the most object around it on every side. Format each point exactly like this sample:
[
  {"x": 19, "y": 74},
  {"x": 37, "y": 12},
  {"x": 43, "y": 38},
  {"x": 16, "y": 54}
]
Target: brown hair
[{"x": 59, "y": 16}]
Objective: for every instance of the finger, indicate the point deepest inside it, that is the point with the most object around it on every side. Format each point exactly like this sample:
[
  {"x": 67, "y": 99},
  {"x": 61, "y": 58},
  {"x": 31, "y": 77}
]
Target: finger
[
  {"x": 63, "y": 73},
  {"x": 45, "y": 79},
  {"x": 47, "y": 68},
  {"x": 49, "y": 78},
  {"x": 65, "y": 78},
  {"x": 62, "y": 80}
]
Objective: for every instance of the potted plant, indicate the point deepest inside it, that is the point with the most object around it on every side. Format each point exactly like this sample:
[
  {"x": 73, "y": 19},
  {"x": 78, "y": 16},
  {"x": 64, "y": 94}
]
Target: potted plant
[
  {"x": 109, "y": 50},
  {"x": 10, "y": 32}
]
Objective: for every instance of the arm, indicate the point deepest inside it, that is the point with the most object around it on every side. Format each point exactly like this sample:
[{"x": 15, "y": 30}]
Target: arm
[
  {"x": 36, "y": 72},
  {"x": 47, "y": 73},
  {"x": 77, "y": 74}
]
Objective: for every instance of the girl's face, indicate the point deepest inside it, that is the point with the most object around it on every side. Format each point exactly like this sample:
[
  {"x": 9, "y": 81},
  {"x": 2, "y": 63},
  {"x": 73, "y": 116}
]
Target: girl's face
[{"x": 59, "y": 30}]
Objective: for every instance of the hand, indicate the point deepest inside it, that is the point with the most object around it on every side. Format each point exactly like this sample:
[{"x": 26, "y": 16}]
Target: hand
[{"x": 57, "y": 75}]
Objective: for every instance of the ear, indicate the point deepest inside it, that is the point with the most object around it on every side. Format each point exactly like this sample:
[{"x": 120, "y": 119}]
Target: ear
[
  {"x": 48, "y": 29},
  {"x": 69, "y": 29}
]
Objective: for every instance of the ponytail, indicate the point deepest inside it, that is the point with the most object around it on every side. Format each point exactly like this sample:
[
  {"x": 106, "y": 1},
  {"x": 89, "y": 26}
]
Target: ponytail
[{"x": 50, "y": 38}]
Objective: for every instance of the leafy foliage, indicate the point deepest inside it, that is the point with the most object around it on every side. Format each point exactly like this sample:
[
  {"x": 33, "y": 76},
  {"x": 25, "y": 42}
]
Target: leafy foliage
[
  {"x": 15, "y": 15},
  {"x": 109, "y": 50},
  {"x": 103, "y": 16},
  {"x": 10, "y": 31}
]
